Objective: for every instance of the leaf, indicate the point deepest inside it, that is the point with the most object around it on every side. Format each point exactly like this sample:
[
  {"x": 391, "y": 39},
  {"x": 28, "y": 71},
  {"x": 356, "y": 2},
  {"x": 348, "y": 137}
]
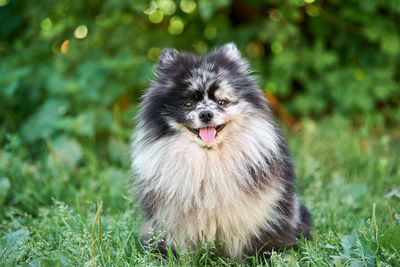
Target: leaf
[
  {"x": 16, "y": 238},
  {"x": 65, "y": 152},
  {"x": 10, "y": 89},
  {"x": 391, "y": 237},
  {"x": 82, "y": 125},
  {"x": 10, "y": 79},
  {"x": 207, "y": 8},
  {"x": 4, "y": 188},
  {"x": 357, "y": 263},
  {"x": 348, "y": 242},
  {"x": 116, "y": 149},
  {"x": 394, "y": 193},
  {"x": 45, "y": 121},
  {"x": 329, "y": 246},
  {"x": 390, "y": 44}
]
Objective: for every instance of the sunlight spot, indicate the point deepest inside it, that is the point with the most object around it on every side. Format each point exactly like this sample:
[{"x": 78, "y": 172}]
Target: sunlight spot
[
  {"x": 188, "y": 6},
  {"x": 313, "y": 10},
  {"x": 4, "y": 2},
  {"x": 168, "y": 7},
  {"x": 200, "y": 47},
  {"x": 276, "y": 48},
  {"x": 156, "y": 17},
  {"x": 176, "y": 25},
  {"x": 46, "y": 24},
  {"x": 64, "y": 47},
  {"x": 254, "y": 49},
  {"x": 153, "y": 53},
  {"x": 151, "y": 8},
  {"x": 81, "y": 32}
]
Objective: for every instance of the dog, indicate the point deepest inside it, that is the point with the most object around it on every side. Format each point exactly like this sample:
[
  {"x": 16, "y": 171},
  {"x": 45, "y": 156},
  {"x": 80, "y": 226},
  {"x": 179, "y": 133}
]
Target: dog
[{"x": 210, "y": 163}]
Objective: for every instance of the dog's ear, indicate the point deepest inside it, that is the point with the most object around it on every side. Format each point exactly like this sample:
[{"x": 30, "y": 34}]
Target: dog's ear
[
  {"x": 230, "y": 51},
  {"x": 167, "y": 57}
]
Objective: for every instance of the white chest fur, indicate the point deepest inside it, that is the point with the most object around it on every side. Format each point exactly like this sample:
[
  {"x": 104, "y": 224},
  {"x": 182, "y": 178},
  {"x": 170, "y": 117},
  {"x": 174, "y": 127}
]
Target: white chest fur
[{"x": 205, "y": 192}]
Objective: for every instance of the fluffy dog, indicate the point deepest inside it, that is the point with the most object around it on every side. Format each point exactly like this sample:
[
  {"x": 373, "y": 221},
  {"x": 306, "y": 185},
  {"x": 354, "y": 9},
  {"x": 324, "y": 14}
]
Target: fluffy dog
[{"x": 210, "y": 162}]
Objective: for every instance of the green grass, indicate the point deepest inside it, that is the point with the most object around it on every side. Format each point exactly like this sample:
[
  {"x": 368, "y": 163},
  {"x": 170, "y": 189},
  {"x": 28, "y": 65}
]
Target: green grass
[{"x": 70, "y": 203}]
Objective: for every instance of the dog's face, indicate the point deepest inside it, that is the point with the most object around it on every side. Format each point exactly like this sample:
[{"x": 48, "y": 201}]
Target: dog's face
[{"x": 201, "y": 98}]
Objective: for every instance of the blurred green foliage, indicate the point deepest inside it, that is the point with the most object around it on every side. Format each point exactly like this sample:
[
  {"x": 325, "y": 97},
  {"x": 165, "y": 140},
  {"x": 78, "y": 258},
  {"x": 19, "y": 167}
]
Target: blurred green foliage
[
  {"x": 77, "y": 68},
  {"x": 72, "y": 72}
]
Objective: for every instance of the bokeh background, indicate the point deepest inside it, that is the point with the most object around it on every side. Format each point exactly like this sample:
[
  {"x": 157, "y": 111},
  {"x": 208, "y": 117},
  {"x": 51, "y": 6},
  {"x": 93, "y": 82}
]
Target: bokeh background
[
  {"x": 78, "y": 67},
  {"x": 72, "y": 72}
]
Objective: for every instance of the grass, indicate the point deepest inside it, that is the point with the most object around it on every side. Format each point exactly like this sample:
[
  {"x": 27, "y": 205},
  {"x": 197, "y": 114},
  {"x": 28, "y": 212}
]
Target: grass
[{"x": 70, "y": 204}]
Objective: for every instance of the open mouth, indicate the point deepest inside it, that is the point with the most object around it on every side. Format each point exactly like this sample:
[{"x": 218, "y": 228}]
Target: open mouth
[{"x": 207, "y": 134}]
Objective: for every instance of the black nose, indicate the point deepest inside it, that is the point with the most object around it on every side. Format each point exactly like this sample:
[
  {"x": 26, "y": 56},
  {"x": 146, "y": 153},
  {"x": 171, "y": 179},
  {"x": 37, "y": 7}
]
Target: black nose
[{"x": 206, "y": 116}]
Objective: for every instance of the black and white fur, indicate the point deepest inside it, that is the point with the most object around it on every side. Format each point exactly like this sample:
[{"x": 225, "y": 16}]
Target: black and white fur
[{"x": 238, "y": 189}]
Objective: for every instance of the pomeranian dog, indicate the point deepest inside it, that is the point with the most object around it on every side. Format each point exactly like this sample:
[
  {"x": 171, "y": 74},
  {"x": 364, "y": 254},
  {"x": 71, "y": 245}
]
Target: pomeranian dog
[{"x": 211, "y": 164}]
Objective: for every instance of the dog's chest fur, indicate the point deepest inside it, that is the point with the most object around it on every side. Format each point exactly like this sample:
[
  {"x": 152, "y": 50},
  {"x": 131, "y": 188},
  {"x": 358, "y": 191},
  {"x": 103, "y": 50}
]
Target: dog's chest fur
[{"x": 198, "y": 194}]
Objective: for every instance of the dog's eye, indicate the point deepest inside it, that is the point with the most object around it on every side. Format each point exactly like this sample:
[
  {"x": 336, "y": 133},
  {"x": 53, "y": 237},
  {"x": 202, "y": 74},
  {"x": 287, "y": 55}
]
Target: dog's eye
[
  {"x": 188, "y": 104},
  {"x": 223, "y": 102}
]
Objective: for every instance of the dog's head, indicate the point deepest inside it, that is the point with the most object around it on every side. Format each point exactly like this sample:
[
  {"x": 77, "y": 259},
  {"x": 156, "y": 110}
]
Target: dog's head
[{"x": 202, "y": 98}]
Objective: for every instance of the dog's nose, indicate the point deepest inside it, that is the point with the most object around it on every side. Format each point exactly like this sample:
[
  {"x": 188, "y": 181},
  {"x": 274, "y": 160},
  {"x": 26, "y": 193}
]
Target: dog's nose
[{"x": 206, "y": 116}]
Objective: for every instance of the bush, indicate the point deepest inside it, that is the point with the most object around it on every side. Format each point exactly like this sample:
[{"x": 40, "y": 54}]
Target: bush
[{"x": 77, "y": 68}]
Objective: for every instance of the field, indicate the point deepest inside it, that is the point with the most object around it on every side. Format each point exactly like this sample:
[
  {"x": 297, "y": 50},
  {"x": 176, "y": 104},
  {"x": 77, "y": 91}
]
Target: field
[
  {"x": 69, "y": 205},
  {"x": 71, "y": 77}
]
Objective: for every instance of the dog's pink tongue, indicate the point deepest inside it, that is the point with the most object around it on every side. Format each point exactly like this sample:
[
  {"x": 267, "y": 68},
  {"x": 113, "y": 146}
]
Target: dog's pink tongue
[{"x": 207, "y": 134}]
